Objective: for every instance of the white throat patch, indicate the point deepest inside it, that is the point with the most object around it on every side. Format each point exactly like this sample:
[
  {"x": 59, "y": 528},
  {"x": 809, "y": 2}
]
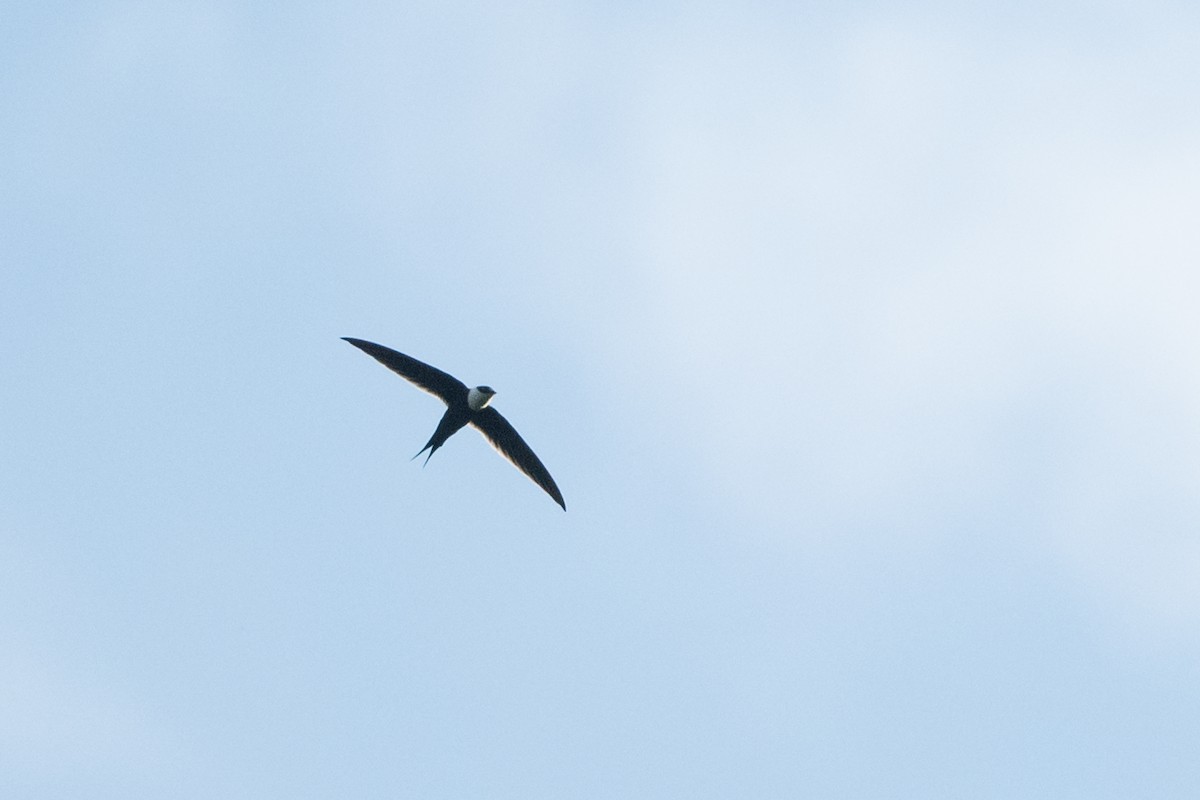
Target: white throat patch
[{"x": 478, "y": 400}]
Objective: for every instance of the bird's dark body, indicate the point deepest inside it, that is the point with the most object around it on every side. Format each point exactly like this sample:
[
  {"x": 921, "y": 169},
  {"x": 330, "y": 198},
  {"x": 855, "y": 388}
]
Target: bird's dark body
[
  {"x": 459, "y": 413},
  {"x": 454, "y": 420}
]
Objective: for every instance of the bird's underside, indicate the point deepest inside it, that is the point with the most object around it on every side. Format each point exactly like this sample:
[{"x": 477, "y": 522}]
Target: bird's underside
[{"x": 460, "y": 412}]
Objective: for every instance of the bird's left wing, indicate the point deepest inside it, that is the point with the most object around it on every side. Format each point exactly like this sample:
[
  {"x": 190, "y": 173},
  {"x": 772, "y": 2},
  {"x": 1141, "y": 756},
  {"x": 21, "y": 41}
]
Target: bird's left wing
[
  {"x": 431, "y": 379},
  {"x": 504, "y": 437}
]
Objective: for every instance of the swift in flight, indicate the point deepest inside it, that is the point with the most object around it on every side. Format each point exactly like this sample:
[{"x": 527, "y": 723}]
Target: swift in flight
[{"x": 464, "y": 407}]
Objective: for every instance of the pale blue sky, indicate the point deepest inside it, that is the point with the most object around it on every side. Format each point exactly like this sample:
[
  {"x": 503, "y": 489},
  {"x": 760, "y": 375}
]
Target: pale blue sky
[{"x": 861, "y": 339}]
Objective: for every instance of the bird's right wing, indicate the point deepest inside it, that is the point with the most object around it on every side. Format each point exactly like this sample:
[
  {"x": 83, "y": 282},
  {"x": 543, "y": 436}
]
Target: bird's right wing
[
  {"x": 504, "y": 437},
  {"x": 431, "y": 379}
]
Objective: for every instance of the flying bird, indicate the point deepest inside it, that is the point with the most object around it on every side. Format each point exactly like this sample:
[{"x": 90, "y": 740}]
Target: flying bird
[{"x": 464, "y": 407}]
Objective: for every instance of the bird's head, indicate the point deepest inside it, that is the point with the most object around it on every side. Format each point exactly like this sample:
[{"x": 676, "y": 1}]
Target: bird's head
[{"x": 479, "y": 397}]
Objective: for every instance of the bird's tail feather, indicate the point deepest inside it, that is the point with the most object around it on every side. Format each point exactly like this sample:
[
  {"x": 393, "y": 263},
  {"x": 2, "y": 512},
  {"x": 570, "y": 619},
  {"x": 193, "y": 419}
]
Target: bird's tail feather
[{"x": 431, "y": 450}]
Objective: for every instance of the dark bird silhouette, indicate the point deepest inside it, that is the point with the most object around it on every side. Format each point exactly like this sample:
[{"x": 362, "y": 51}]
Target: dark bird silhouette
[{"x": 464, "y": 407}]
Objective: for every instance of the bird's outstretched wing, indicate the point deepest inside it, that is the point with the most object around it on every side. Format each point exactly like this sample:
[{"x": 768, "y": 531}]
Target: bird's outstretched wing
[
  {"x": 505, "y": 439},
  {"x": 446, "y": 387}
]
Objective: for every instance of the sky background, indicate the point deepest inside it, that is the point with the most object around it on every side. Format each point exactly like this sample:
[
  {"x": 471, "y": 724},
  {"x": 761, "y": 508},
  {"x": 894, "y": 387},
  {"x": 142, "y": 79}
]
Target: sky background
[{"x": 861, "y": 339}]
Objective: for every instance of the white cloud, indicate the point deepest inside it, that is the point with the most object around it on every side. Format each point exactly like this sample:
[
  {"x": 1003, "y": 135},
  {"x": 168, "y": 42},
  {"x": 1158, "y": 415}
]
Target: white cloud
[
  {"x": 155, "y": 45},
  {"x": 56, "y": 722},
  {"x": 879, "y": 255}
]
